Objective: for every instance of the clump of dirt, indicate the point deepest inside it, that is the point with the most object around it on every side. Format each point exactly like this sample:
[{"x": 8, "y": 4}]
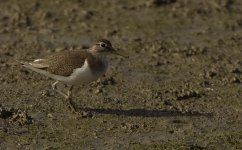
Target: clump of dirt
[
  {"x": 159, "y": 2},
  {"x": 17, "y": 116}
]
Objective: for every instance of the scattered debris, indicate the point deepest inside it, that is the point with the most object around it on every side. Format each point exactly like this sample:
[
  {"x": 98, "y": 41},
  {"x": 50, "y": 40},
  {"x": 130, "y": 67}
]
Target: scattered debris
[{"x": 15, "y": 115}]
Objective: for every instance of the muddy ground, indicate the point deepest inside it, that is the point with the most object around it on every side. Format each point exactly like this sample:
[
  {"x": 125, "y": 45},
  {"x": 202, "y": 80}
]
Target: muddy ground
[{"x": 180, "y": 88}]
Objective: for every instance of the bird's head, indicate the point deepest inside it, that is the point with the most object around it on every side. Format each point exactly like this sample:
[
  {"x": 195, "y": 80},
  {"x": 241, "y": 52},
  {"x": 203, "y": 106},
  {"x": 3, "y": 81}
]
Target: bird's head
[{"x": 104, "y": 47}]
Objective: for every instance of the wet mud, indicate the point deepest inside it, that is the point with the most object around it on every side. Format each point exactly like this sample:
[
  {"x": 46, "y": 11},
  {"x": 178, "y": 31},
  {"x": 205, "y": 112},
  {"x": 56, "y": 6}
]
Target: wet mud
[{"x": 180, "y": 88}]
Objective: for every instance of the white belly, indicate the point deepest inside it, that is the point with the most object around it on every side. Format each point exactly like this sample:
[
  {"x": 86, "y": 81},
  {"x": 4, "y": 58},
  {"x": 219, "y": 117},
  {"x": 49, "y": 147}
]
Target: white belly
[{"x": 82, "y": 75}]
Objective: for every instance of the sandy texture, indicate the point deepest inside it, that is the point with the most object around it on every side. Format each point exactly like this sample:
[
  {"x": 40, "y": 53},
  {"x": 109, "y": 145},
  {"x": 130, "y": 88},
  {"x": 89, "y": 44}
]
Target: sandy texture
[{"x": 180, "y": 88}]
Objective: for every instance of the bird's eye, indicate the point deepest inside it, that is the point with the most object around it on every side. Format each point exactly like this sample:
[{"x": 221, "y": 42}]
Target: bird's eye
[{"x": 103, "y": 45}]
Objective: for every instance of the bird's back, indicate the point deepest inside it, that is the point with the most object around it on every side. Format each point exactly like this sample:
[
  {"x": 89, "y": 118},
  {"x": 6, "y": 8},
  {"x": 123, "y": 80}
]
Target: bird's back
[{"x": 61, "y": 63}]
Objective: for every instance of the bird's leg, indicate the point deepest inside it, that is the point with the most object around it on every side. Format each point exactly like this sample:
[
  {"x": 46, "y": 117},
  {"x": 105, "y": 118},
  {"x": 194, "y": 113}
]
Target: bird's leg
[
  {"x": 69, "y": 94},
  {"x": 54, "y": 87},
  {"x": 69, "y": 98}
]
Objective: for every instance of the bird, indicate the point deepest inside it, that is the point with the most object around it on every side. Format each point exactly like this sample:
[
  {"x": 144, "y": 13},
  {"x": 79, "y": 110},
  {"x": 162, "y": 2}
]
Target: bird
[{"x": 74, "y": 67}]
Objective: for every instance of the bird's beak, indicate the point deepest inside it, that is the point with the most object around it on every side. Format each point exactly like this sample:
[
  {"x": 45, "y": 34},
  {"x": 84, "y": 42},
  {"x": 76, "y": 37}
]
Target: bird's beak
[{"x": 119, "y": 53}]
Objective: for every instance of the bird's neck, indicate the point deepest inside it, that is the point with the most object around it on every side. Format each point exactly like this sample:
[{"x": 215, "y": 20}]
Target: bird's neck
[
  {"x": 97, "y": 62},
  {"x": 100, "y": 56}
]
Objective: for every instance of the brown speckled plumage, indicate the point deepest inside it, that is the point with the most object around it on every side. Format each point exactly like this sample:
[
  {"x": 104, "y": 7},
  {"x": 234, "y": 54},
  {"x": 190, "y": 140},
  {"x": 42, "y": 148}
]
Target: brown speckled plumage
[{"x": 63, "y": 63}]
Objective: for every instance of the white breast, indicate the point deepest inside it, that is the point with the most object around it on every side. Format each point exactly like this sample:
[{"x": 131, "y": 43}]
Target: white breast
[{"x": 84, "y": 75}]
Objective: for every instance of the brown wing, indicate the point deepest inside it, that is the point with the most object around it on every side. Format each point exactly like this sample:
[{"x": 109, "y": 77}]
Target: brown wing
[{"x": 62, "y": 63}]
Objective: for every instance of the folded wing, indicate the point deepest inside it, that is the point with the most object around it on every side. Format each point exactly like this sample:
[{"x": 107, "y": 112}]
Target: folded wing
[{"x": 62, "y": 63}]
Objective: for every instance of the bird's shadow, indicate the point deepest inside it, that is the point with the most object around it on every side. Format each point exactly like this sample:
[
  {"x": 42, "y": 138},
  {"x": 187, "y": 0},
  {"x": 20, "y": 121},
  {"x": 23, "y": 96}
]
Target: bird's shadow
[{"x": 143, "y": 112}]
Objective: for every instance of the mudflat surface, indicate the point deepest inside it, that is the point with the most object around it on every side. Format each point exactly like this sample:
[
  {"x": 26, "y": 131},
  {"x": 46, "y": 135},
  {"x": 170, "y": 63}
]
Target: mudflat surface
[{"x": 180, "y": 88}]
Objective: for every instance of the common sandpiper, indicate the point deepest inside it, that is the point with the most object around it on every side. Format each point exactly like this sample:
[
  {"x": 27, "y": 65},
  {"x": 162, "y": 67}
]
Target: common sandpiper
[{"x": 74, "y": 67}]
